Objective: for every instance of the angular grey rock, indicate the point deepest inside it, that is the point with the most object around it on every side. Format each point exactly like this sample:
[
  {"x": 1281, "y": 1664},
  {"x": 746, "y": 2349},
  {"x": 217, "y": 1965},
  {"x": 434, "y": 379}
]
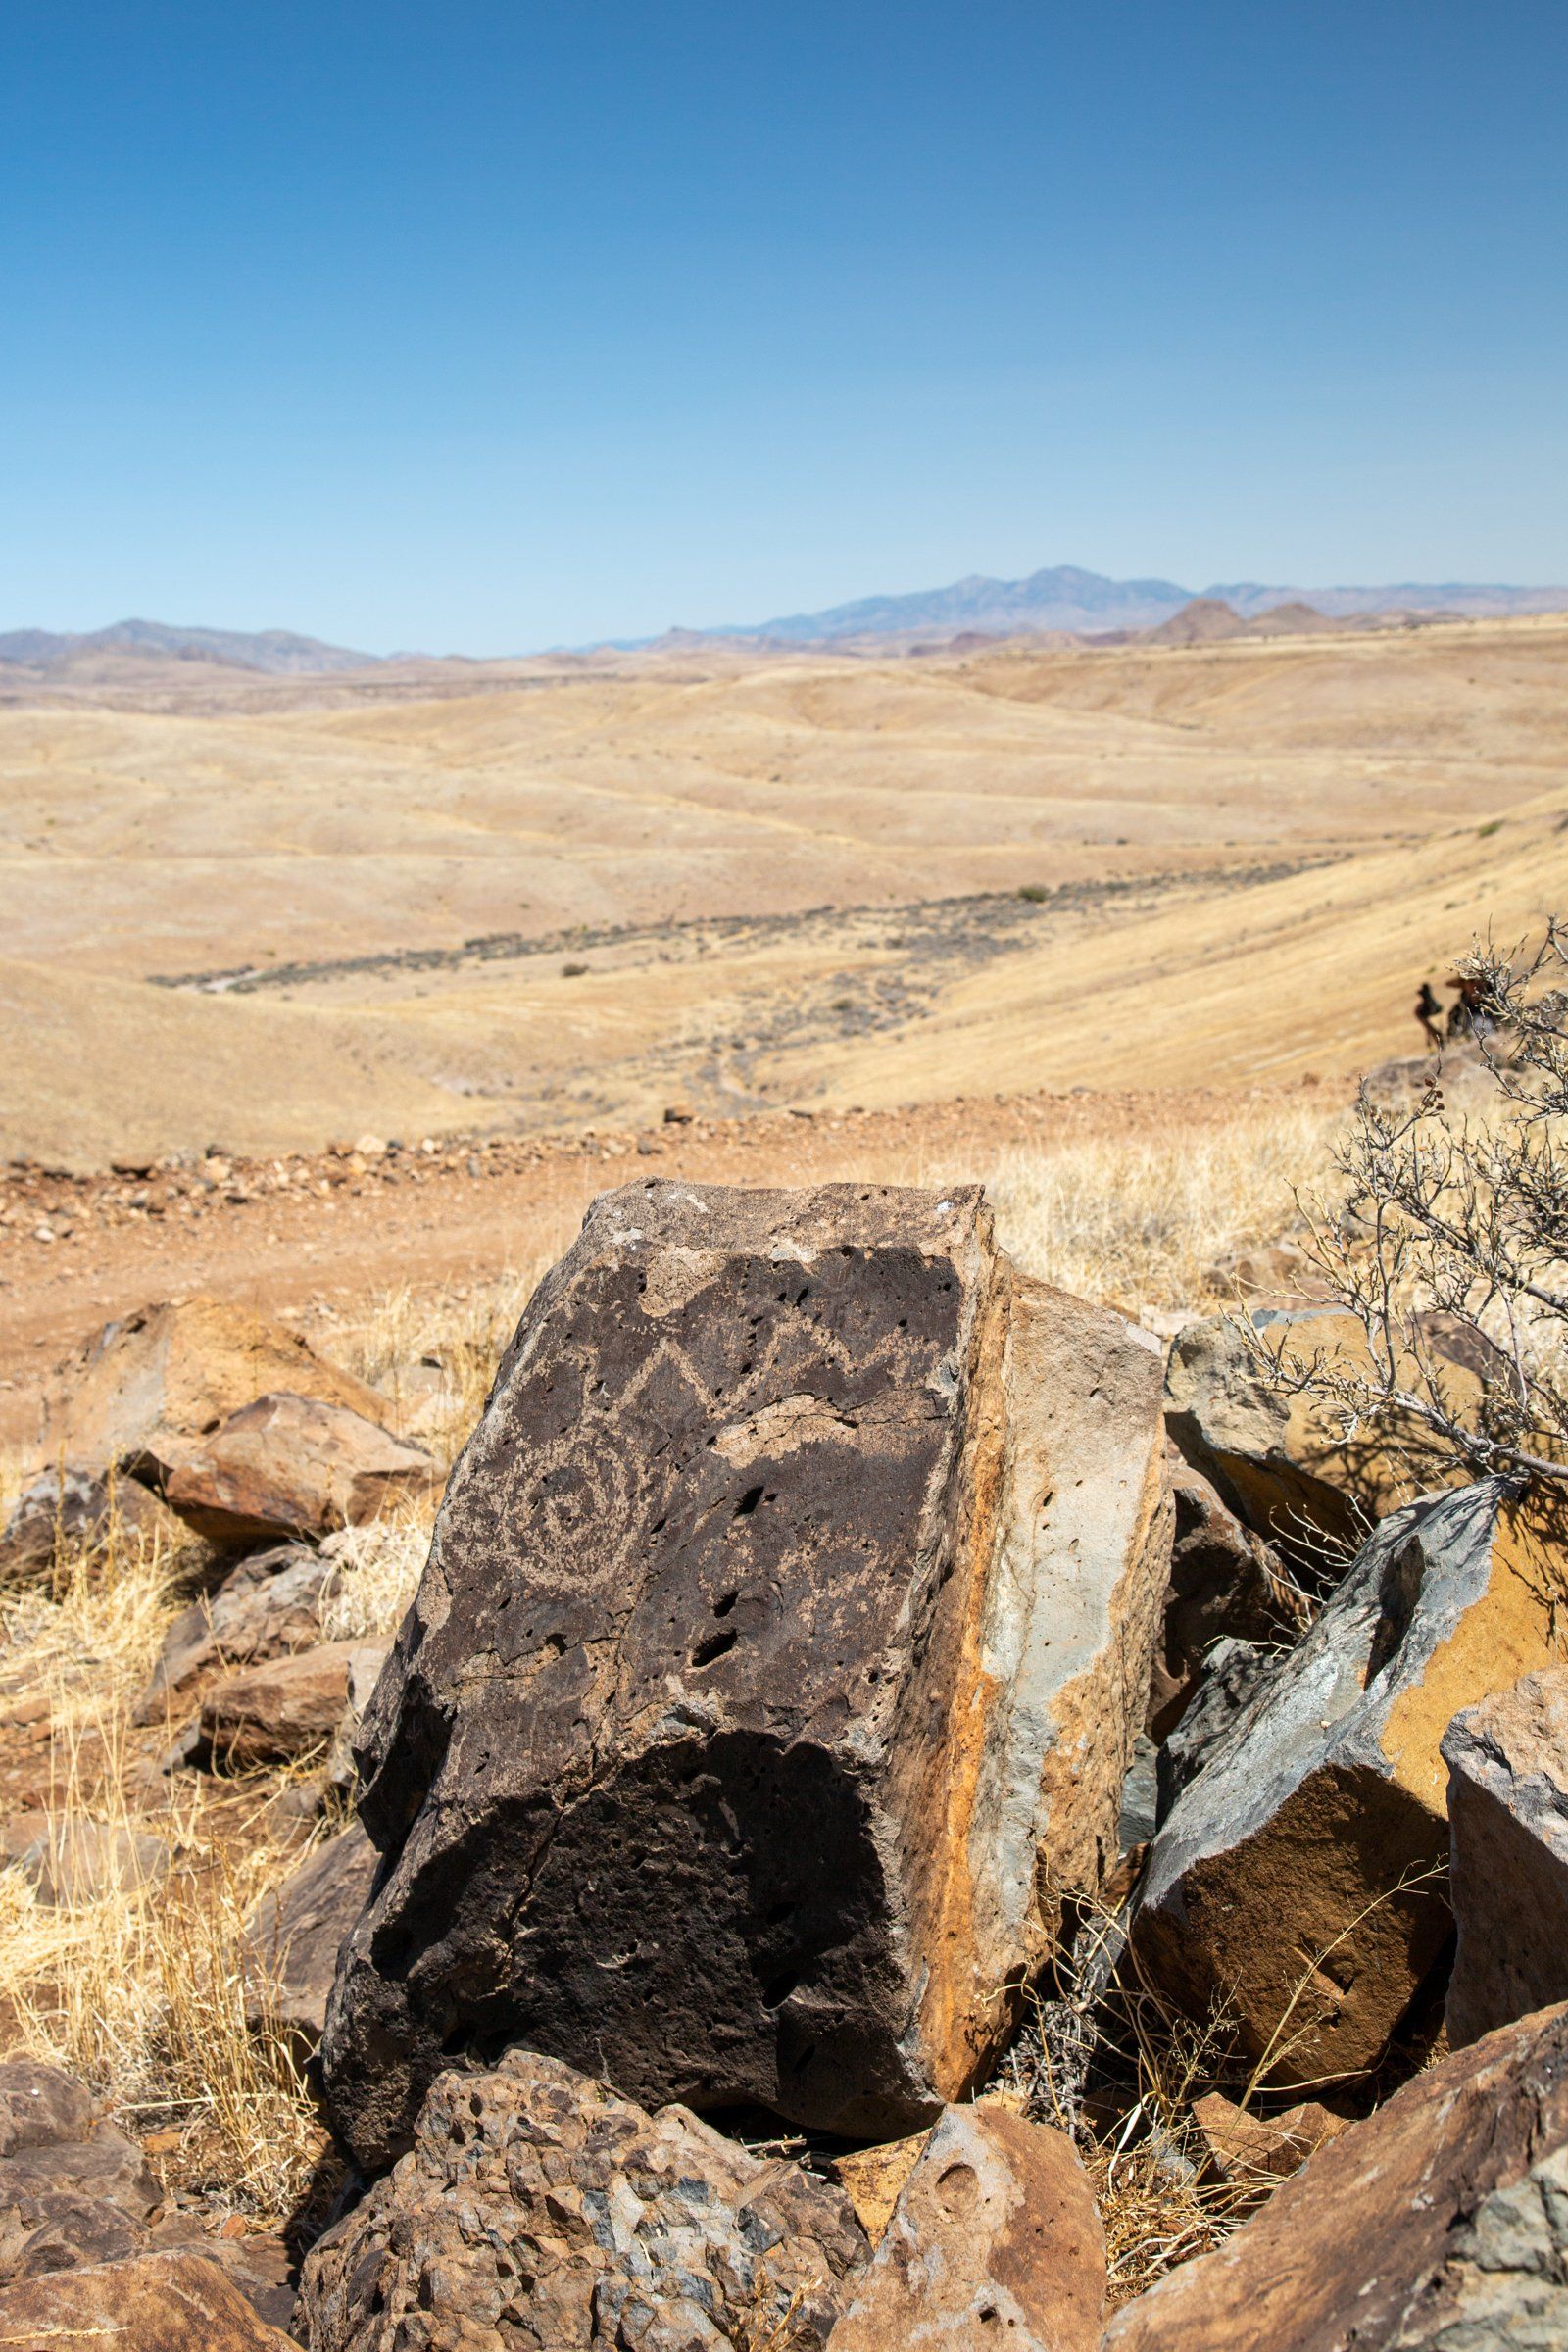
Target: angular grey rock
[
  {"x": 1225, "y": 1585},
  {"x": 538, "y": 2213},
  {"x": 1234, "y": 1672},
  {"x": 1507, "y": 1762},
  {"x": 785, "y": 1634},
  {"x": 1293, "y": 1879},
  {"x": 293, "y": 1937},
  {"x": 68, "y": 1509},
  {"x": 40, "y": 2105}
]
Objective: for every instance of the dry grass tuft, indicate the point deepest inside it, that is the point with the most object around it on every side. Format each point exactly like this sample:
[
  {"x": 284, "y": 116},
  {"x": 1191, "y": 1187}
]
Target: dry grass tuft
[
  {"x": 434, "y": 1350},
  {"x": 1150, "y": 1221},
  {"x": 375, "y": 1572}
]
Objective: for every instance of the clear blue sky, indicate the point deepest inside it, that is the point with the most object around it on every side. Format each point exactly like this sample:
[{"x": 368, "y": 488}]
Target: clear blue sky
[{"x": 483, "y": 327}]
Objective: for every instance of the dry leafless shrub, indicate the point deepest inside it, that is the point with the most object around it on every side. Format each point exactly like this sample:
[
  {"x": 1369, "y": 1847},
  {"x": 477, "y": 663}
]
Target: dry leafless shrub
[{"x": 1449, "y": 1247}]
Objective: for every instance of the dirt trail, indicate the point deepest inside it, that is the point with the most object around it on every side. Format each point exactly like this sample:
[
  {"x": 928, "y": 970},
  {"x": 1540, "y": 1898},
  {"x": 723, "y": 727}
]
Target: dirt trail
[{"x": 288, "y": 1234}]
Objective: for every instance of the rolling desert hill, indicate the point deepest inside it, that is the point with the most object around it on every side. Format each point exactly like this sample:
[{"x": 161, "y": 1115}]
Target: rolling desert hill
[{"x": 572, "y": 893}]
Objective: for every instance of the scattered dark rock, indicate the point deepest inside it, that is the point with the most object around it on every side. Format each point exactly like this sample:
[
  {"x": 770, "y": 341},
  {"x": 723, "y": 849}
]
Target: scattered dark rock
[
  {"x": 1507, "y": 1762},
  {"x": 292, "y": 1940},
  {"x": 267, "y": 1607}
]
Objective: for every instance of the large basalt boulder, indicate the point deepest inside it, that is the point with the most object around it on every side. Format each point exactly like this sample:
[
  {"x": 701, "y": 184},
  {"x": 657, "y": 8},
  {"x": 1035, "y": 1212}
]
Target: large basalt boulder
[
  {"x": 1292, "y": 1884},
  {"x": 537, "y": 2213},
  {"x": 174, "y": 2302},
  {"x": 1438, "y": 2224},
  {"x": 267, "y": 1607},
  {"x": 785, "y": 1632},
  {"x": 145, "y": 1387},
  {"x": 1282, "y": 1462},
  {"x": 293, "y": 1939},
  {"x": 1507, "y": 1762},
  {"x": 286, "y": 1465},
  {"x": 994, "y": 2239}
]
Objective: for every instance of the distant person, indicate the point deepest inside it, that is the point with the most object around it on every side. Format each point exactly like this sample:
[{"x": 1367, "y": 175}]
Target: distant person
[
  {"x": 1428, "y": 1010},
  {"x": 1470, "y": 1016}
]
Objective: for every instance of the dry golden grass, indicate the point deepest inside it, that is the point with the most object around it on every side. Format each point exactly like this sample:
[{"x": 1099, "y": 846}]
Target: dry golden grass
[{"x": 434, "y": 1350}]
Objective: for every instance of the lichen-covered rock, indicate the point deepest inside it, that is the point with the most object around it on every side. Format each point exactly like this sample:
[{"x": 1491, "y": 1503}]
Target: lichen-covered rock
[
  {"x": 994, "y": 2239},
  {"x": 1294, "y": 1883},
  {"x": 286, "y": 1465},
  {"x": 784, "y": 1636},
  {"x": 536, "y": 2211},
  {"x": 1507, "y": 1762},
  {"x": 1438, "y": 2224}
]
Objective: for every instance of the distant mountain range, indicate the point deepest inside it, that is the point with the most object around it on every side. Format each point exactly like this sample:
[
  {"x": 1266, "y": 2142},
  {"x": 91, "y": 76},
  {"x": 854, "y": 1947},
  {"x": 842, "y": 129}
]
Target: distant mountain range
[
  {"x": 277, "y": 652},
  {"x": 1086, "y": 602}
]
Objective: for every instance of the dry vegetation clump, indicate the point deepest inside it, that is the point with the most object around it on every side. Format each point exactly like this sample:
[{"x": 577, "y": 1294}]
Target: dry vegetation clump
[
  {"x": 374, "y": 1574},
  {"x": 434, "y": 1350},
  {"x": 134, "y": 1977},
  {"x": 1153, "y": 1221}
]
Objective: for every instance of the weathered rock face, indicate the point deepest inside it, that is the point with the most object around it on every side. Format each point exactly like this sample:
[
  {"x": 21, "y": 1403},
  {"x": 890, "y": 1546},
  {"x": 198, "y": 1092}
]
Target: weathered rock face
[
  {"x": 994, "y": 2239},
  {"x": 286, "y": 1465},
  {"x": 1281, "y": 1882},
  {"x": 1438, "y": 2224},
  {"x": 148, "y": 1385},
  {"x": 177, "y": 2302},
  {"x": 787, "y": 1625},
  {"x": 537, "y": 2213},
  {"x": 293, "y": 1941},
  {"x": 1234, "y": 1672},
  {"x": 1279, "y": 1463},
  {"x": 74, "y": 1510},
  {"x": 1225, "y": 1585},
  {"x": 272, "y": 1714},
  {"x": 267, "y": 1607},
  {"x": 1507, "y": 1762}
]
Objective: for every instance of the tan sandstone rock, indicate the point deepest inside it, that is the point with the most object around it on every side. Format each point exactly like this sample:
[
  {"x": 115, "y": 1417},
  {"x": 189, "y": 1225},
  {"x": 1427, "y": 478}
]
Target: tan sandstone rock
[
  {"x": 797, "y": 1595},
  {"x": 1295, "y": 1883},
  {"x": 995, "y": 2240},
  {"x": 175, "y": 2302},
  {"x": 1438, "y": 2224},
  {"x": 1507, "y": 1762},
  {"x": 536, "y": 2211},
  {"x": 1280, "y": 1462},
  {"x": 286, "y": 1465},
  {"x": 146, "y": 1386}
]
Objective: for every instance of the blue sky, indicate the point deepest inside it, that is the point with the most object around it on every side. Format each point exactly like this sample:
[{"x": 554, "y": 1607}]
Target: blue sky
[{"x": 488, "y": 326}]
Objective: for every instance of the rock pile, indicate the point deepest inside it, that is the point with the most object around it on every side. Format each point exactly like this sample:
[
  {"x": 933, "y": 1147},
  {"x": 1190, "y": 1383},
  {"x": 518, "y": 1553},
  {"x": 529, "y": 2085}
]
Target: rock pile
[{"x": 799, "y": 1627}]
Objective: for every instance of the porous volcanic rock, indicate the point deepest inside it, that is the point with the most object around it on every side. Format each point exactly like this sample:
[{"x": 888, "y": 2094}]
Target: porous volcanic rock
[
  {"x": 994, "y": 2239},
  {"x": 170, "y": 2302},
  {"x": 1438, "y": 2224},
  {"x": 272, "y": 1714},
  {"x": 1507, "y": 1762},
  {"x": 1286, "y": 1880},
  {"x": 286, "y": 1465},
  {"x": 536, "y": 2211},
  {"x": 1226, "y": 1583},
  {"x": 67, "y": 1510},
  {"x": 785, "y": 1632},
  {"x": 1280, "y": 1462},
  {"x": 267, "y": 1607},
  {"x": 147, "y": 1385},
  {"x": 292, "y": 1938}
]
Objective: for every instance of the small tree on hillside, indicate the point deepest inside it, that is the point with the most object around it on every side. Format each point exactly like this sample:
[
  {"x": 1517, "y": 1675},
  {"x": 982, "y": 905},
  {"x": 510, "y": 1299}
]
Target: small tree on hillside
[{"x": 1454, "y": 1225}]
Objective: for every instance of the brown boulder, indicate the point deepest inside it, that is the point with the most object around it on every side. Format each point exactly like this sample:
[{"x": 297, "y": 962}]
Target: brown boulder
[
  {"x": 994, "y": 2239},
  {"x": 276, "y": 1713},
  {"x": 797, "y": 1594},
  {"x": 286, "y": 1465},
  {"x": 144, "y": 1387},
  {"x": 1438, "y": 2224},
  {"x": 1295, "y": 1880},
  {"x": 872, "y": 2178},
  {"x": 67, "y": 1512},
  {"x": 267, "y": 1607},
  {"x": 1245, "y": 2146},
  {"x": 292, "y": 1938},
  {"x": 1507, "y": 1762},
  {"x": 176, "y": 2302},
  {"x": 536, "y": 2211}
]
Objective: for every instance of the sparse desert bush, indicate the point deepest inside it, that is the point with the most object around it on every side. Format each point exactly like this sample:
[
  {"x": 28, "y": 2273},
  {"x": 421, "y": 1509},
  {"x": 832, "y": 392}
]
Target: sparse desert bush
[
  {"x": 458, "y": 1331},
  {"x": 1463, "y": 1217}
]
